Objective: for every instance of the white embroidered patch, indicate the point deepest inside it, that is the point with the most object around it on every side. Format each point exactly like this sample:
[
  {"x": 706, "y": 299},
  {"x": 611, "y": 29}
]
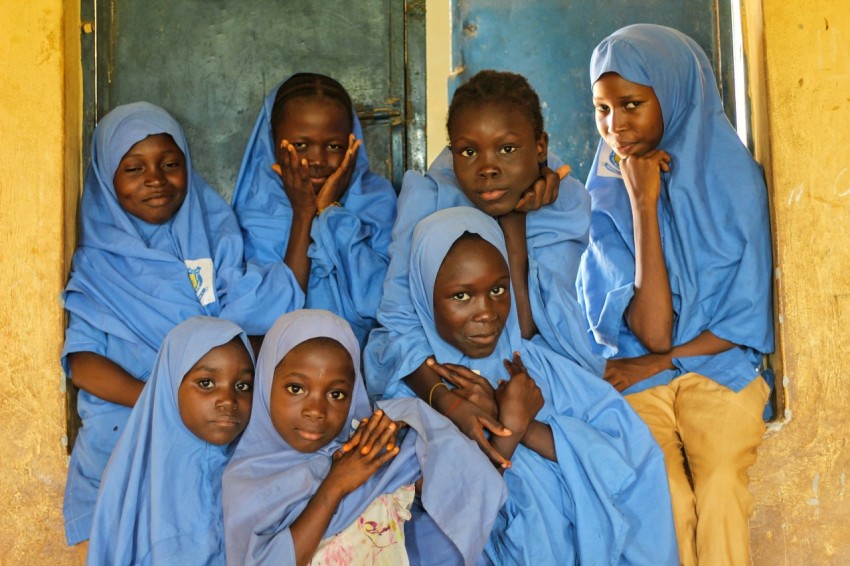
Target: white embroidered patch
[
  {"x": 609, "y": 163},
  {"x": 202, "y": 278}
]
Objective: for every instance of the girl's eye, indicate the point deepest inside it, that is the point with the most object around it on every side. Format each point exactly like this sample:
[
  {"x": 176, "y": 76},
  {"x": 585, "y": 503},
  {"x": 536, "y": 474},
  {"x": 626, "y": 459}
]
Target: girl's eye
[
  {"x": 335, "y": 147},
  {"x": 205, "y": 384},
  {"x": 132, "y": 169},
  {"x": 467, "y": 152},
  {"x": 337, "y": 395},
  {"x": 294, "y": 388},
  {"x": 299, "y": 146},
  {"x": 497, "y": 291},
  {"x": 171, "y": 166},
  {"x": 462, "y": 296},
  {"x": 601, "y": 108},
  {"x": 509, "y": 149},
  {"x": 244, "y": 386},
  {"x": 631, "y": 105}
]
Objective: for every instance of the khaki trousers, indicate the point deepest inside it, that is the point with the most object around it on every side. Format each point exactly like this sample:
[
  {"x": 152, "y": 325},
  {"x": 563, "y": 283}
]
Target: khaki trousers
[{"x": 709, "y": 435}]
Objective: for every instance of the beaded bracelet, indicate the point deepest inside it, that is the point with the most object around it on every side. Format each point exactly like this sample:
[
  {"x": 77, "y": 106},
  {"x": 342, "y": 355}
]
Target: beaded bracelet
[{"x": 431, "y": 394}]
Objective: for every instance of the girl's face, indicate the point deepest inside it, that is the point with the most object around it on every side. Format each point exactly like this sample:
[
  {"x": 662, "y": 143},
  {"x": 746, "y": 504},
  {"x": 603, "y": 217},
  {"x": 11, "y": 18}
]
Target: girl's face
[
  {"x": 311, "y": 394},
  {"x": 628, "y": 115},
  {"x": 319, "y": 129},
  {"x": 472, "y": 298},
  {"x": 216, "y": 394},
  {"x": 150, "y": 181},
  {"x": 495, "y": 154}
]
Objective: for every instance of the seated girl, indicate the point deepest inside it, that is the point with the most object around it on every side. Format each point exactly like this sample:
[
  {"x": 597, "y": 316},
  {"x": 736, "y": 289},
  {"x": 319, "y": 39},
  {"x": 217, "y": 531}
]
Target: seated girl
[
  {"x": 497, "y": 163},
  {"x": 676, "y": 280},
  {"x": 160, "y": 498},
  {"x": 586, "y": 480},
  {"x": 302, "y": 489},
  {"x": 305, "y": 196},
  {"x": 158, "y": 245}
]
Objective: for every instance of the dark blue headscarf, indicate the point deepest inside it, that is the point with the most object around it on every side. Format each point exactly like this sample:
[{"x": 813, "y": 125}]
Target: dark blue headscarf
[
  {"x": 713, "y": 217},
  {"x": 160, "y": 499},
  {"x": 349, "y": 243}
]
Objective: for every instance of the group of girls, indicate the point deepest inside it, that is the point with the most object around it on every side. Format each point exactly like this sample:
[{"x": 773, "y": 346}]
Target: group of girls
[{"x": 550, "y": 374}]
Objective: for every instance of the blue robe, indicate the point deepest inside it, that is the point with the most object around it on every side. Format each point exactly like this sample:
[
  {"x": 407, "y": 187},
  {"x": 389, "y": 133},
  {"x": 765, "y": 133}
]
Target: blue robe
[
  {"x": 132, "y": 282},
  {"x": 556, "y": 237},
  {"x": 349, "y": 243},
  {"x": 606, "y": 499},
  {"x": 713, "y": 216},
  {"x": 160, "y": 498},
  {"x": 268, "y": 483}
]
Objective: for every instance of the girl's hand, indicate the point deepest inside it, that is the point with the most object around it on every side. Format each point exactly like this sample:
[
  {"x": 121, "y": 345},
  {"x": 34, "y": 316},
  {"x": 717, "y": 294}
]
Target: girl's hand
[
  {"x": 468, "y": 385},
  {"x": 364, "y": 453},
  {"x": 519, "y": 398},
  {"x": 625, "y": 372},
  {"x": 543, "y": 191},
  {"x": 642, "y": 176},
  {"x": 296, "y": 180},
  {"x": 337, "y": 183},
  {"x": 472, "y": 422}
]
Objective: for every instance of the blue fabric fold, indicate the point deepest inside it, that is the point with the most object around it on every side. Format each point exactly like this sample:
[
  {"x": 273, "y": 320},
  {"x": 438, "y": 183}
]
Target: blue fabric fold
[
  {"x": 349, "y": 248},
  {"x": 130, "y": 285},
  {"x": 268, "y": 483},
  {"x": 713, "y": 217},
  {"x": 160, "y": 499},
  {"x": 556, "y": 237},
  {"x": 606, "y": 499}
]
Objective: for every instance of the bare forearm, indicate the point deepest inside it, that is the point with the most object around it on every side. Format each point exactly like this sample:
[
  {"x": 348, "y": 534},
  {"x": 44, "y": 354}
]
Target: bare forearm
[
  {"x": 307, "y": 530},
  {"x": 296, "y": 257},
  {"x": 103, "y": 378},
  {"x": 422, "y": 382},
  {"x": 650, "y": 314},
  {"x": 513, "y": 226},
  {"x": 539, "y": 438},
  {"x": 706, "y": 344}
]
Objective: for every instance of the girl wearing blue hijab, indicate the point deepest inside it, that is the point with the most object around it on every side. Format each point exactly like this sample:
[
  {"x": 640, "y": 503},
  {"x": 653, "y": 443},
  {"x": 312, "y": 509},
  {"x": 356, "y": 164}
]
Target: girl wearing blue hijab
[
  {"x": 160, "y": 499},
  {"x": 289, "y": 466},
  {"x": 305, "y": 196},
  {"x": 158, "y": 246},
  {"x": 676, "y": 279},
  {"x": 586, "y": 480},
  {"x": 497, "y": 162}
]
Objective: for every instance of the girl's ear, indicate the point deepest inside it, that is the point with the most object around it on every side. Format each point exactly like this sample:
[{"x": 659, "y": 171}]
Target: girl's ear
[{"x": 543, "y": 148}]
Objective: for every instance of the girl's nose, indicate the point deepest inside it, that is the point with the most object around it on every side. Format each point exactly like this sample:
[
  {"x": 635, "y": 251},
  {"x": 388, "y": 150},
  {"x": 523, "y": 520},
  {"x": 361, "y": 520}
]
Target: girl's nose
[
  {"x": 316, "y": 156},
  {"x": 488, "y": 167},
  {"x": 484, "y": 311},
  {"x": 154, "y": 177},
  {"x": 617, "y": 121},
  {"x": 227, "y": 400},
  {"x": 313, "y": 408}
]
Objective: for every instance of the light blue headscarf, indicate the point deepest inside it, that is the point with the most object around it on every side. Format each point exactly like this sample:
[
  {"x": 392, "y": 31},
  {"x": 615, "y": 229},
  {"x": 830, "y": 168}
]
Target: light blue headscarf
[
  {"x": 160, "y": 499},
  {"x": 712, "y": 212},
  {"x": 606, "y": 499},
  {"x": 268, "y": 483},
  {"x": 349, "y": 243},
  {"x": 132, "y": 282},
  {"x": 556, "y": 237}
]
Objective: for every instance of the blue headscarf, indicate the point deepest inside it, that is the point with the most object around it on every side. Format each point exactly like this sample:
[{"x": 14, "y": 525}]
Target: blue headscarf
[
  {"x": 160, "y": 499},
  {"x": 713, "y": 217},
  {"x": 556, "y": 237},
  {"x": 268, "y": 483},
  {"x": 349, "y": 243},
  {"x": 606, "y": 499},
  {"x": 132, "y": 282}
]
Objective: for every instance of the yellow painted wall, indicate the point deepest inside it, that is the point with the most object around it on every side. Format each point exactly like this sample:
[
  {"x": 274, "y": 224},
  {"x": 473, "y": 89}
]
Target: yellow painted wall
[
  {"x": 36, "y": 131},
  {"x": 800, "y": 480},
  {"x": 803, "y": 105}
]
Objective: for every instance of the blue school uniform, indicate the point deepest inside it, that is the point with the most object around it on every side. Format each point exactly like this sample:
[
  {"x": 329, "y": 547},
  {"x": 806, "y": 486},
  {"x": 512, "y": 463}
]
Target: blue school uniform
[
  {"x": 349, "y": 242},
  {"x": 556, "y": 237},
  {"x": 606, "y": 499},
  {"x": 132, "y": 282},
  {"x": 160, "y": 498},
  {"x": 712, "y": 215},
  {"x": 268, "y": 483}
]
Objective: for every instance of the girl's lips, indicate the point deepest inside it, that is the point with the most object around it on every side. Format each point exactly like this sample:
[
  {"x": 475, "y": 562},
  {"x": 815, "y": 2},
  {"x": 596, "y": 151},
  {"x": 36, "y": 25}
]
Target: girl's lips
[
  {"x": 309, "y": 434},
  {"x": 484, "y": 339},
  {"x": 491, "y": 195}
]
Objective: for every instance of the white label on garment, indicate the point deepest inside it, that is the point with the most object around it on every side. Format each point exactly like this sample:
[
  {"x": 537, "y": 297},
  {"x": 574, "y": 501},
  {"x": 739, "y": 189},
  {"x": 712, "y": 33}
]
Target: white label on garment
[
  {"x": 202, "y": 278},
  {"x": 609, "y": 163}
]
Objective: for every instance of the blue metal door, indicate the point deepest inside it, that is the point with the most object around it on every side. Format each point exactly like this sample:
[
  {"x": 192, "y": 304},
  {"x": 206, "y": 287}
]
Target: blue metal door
[
  {"x": 550, "y": 43},
  {"x": 212, "y": 62}
]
